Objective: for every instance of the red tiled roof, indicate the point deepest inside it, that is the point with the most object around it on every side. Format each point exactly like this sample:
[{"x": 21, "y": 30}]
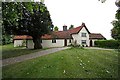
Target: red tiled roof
[
  {"x": 55, "y": 34},
  {"x": 96, "y": 36},
  {"x": 64, "y": 34},
  {"x": 75, "y": 30},
  {"x": 61, "y": 34},
  {"x": 47, "y": 36},
  {"x": 18, "y": 37}
]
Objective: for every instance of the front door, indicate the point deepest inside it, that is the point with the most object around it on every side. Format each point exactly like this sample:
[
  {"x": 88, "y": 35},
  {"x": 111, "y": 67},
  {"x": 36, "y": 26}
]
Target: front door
[
  {"x": 65, "y": 42},
  {"x": 91, "y": 43}
]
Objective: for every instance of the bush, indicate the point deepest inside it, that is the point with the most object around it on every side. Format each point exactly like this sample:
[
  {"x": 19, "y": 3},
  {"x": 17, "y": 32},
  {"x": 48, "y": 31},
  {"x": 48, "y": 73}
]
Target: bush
[
  {"x": 107, "y": 44},
  {"x": 75, "y": 46},
  {"x": 6, "y": 39}
]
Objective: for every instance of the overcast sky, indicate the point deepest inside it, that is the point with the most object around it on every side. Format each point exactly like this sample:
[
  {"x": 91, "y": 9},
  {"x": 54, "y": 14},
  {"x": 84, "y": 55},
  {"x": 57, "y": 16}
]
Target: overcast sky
[{"x": 96, "y": 15}]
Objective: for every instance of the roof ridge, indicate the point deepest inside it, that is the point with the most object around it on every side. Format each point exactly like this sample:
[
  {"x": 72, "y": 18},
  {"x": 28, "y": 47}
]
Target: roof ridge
[
  {"x": 75, "y": 27},
  {"x": 95, "y": 33}
]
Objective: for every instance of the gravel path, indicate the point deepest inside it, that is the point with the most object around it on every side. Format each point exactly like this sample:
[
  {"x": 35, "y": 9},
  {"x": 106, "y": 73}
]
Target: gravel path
[{"x": 30, "y": 56}]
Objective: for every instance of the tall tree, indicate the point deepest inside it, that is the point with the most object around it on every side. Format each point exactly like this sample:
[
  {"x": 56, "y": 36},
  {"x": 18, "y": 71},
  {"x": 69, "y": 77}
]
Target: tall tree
[
  {"x": 56, "y": 28},
  {"x": 26, "y": 18},
  {"x": 115, "y": 32},
  {"x": 71, "y": 26}
]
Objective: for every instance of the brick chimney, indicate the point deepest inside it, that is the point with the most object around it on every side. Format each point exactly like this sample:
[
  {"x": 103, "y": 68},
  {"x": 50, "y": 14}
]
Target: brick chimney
[{"x": 64, "y": 28}]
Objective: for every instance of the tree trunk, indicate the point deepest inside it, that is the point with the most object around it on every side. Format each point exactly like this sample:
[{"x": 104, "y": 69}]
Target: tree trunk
[{"x": 37, "y": 43}]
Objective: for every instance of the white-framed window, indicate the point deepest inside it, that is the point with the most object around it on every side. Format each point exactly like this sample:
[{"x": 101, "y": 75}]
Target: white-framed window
[
  {"x": 53, "y": 40},
  {"x": 83, "y": 41},
  {"x": 83, "y": 35}
]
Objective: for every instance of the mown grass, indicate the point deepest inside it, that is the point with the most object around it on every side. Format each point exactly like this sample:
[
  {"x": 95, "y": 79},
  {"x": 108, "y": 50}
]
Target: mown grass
[
  {"x": 9, "y": 51},
  {"x": 70, "y": 63}
]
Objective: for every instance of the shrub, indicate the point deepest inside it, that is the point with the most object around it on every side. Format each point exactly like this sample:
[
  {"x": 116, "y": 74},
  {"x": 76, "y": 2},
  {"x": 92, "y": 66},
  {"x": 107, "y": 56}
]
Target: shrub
[
  {"x": 107, "y": 44},
  {"x": 6, "y": 39},
  {"x": 75, "y": 46}
]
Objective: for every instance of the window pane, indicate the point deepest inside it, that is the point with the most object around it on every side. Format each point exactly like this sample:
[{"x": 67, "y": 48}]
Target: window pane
[
  {"x": 53, "y": 40},
  {"x": 83, "y": 34},
  {"x": 83, "y": 41}
]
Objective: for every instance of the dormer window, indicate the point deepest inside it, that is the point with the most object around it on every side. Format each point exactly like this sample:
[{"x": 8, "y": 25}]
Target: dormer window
[{"x": 83, "y": 35}]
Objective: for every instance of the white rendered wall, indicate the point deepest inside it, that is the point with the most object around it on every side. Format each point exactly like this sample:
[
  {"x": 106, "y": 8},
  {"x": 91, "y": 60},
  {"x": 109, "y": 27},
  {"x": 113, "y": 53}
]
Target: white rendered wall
[
  {"x": 78, "y": 36},
  {"x": 68, "y": 40},
  {"x": 18, "y": 43},
  {"x": 47, "y": 43},
  {"x": 30, "y": 44},
  {"x": 93, "y": 41}
]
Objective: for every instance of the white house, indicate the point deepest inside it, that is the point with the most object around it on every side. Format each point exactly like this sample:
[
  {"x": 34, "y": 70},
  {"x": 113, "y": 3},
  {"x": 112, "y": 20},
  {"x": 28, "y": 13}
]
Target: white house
[{"x": 80, "y": 35}]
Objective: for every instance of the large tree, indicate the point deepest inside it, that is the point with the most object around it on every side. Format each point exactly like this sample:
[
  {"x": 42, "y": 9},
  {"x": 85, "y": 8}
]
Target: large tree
[
  {"x": 115, "y": 32},
  {"x": 26, "y": 18}
]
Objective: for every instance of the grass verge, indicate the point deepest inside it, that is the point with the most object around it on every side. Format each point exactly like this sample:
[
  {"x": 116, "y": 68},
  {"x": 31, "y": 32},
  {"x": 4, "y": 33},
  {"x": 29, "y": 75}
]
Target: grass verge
[
  {"x": 69, "y": 63},
  {"x": 9, "y": 51}
]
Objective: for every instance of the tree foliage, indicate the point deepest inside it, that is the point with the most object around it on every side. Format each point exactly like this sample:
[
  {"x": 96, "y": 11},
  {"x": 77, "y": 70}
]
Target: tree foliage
[
  {"x": 102, "y": 1},
  {"x": 115, "y": 32},
  {"x": 26, "y": 18},
  {"x": 71, "y": 26},
  {"x": 56, "y": 28}
]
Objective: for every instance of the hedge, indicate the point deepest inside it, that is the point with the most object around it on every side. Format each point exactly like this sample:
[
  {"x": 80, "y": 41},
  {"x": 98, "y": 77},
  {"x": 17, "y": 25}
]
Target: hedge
[{"x": 107, "y": 44}]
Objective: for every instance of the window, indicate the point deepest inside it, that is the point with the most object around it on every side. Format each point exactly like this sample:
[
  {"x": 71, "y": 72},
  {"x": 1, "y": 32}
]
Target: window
[
  {"x": 83, "y": 41},
  {"x": 83, "y": 34},
  {"x": 53, "y": 40},
  {"x": 69, "y": 40}
]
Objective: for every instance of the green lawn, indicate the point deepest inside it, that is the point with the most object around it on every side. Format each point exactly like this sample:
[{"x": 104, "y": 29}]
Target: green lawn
[
  {"x": 70, "y": 63},
  {"x": 9, "y": 51}
]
